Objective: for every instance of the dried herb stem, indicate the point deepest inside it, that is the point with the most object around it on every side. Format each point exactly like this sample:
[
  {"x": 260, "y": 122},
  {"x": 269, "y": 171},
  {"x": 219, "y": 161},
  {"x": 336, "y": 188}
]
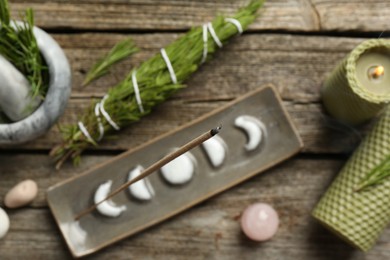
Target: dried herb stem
[{"x": 120, "y": 51}]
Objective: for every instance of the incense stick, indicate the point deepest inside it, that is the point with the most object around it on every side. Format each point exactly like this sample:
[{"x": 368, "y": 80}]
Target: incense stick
[{"x": 156, "y": 166}]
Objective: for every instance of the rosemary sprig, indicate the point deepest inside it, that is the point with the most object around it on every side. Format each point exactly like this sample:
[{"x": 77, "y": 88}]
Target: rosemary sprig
[
  {"x": 376, "y": 176},
  {"x": 120, "y": 51},
  {"x": 4, "y": 12},
  {"x": 19, "y": 46},
  {"x": 154, "y": 82}
]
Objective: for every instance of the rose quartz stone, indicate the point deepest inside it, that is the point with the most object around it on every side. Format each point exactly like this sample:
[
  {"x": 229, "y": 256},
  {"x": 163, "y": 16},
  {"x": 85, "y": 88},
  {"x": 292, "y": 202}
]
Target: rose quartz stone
[
  {"x": 259, "y": 222},
  {"x": 21, "y": 194}
]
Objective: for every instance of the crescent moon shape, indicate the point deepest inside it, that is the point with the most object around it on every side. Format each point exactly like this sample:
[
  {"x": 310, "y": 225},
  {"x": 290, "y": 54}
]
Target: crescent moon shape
[
  {"x": 108, "y": 207},
  {"x": 180, "y": 170},
  {"x": 216, "y": 150},
  {"x": 76, "y": 234},
  {"x": 253, "y": 128},
  {"x": 142, "y": 189}
]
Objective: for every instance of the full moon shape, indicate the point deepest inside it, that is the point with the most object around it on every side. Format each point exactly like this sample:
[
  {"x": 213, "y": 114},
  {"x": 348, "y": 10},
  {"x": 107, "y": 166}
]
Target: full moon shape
[{"x": 180, "y": 170}]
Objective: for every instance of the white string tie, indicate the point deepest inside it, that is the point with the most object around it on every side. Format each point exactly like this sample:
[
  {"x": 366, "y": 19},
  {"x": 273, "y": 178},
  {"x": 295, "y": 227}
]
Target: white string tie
[
  {"x": 99, "y": 120},
  {"x": 136, "y": 91},
  {"x": 236, "y": 23},
  {"x": 205, "y": 45},
  {"x": 106, "y": 115},
  {"x": 169, "y": 65},
  {"x": 85, "y": 132},
  {"x": 214, "y": 35}
]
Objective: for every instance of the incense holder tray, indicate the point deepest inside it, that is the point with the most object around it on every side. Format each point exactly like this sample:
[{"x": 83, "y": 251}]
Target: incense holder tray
[
  {"x": 95, "y": 231},
  {"x": 53, "y": 106}
]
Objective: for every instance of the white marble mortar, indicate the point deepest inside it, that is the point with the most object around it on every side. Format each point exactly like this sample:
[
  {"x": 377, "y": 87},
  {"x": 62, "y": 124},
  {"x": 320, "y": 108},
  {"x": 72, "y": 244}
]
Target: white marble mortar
[{"x": 43, "y": 118}]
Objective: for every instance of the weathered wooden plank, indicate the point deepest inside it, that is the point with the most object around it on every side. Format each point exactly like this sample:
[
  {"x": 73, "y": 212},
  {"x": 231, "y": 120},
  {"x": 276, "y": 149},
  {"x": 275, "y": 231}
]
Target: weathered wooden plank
[
  {"x": 39, "y": 167},
  {"x": 320, "y": 133},
  {"x": 210, "y": 230},
  {"x": 291, "y": 15},
  {"x": 297, "y": 65},
  {"x": 162, "y": 15},
  {"x": 354, "y": 15}
]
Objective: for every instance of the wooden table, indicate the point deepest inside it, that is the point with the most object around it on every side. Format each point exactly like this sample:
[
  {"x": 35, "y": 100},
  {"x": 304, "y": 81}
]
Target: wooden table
[{"x": 294, "y": 44}]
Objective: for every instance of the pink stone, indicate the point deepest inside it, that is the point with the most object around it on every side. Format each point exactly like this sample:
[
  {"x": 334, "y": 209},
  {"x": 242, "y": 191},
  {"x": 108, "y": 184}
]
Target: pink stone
[{"x": 259, "y": 222}]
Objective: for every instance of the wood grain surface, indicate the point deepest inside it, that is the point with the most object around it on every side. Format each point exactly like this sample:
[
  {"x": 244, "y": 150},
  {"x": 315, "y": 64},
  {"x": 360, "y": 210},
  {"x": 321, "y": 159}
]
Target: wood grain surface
[
  {"x": 294, "y": 15},
  {"x": 294, "y": 45}
]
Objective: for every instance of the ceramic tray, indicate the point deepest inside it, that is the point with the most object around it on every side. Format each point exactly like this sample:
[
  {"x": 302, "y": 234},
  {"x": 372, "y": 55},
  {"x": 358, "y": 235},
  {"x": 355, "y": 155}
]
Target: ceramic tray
[{"x": 94, "y": 231}]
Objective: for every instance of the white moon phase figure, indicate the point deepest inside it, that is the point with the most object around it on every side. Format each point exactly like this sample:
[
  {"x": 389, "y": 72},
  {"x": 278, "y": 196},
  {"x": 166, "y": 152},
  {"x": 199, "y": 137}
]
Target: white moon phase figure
[
  {"x": 253, "y": 129},
  {"x": 142, "y": 189},
  {"x": 216, "y": 150},
  {"x": 108, "y": 207},
  {"x": 180, "y": 170}
]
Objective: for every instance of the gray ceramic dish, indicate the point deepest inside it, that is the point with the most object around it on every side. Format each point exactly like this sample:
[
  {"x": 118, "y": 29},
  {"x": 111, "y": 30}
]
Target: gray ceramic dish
[
  {"x": 94, "y": 231},
  {"x": 42, "y": 119}
]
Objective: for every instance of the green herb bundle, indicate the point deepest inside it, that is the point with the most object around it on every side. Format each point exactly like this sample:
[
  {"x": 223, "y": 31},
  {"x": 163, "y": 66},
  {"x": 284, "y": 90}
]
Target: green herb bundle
[
  {"x": 19, "y": 46},
  {"x": 154, "y": 83}
]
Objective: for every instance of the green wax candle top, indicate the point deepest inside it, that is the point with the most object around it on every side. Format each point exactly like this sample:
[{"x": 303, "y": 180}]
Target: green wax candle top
[
  {"x": 359, "y": 87},
  {"x": 371, "y": 68}
]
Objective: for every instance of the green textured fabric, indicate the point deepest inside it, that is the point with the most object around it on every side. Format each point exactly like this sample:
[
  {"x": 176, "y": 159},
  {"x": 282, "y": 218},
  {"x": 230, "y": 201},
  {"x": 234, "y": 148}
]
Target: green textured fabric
[
  {"x": 359, "y": 217},
  {"x": 344, "y": 97}
]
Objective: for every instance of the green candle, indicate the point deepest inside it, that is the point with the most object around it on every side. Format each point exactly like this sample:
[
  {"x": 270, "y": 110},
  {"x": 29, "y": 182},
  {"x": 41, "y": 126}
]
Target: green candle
[
  {"x": 359, "y": 87},
  {"x": 360, "y": 215}
]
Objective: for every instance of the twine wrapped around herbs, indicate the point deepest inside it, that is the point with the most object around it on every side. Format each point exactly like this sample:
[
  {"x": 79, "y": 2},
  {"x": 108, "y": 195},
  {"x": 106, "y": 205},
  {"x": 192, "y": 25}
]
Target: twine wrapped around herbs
[
  {"x": 155, "y": 82},
  {"x": 357, "y": 205}
]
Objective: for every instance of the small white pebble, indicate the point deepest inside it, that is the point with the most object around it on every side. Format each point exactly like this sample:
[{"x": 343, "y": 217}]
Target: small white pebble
[
  {"x": 21, "y": 194},
  {"x": 4, "y": 223}
]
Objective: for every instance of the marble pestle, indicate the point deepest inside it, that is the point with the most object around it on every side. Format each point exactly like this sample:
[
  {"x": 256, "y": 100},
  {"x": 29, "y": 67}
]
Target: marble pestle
[
  {"x": 15, "y": 97},
  {"x": 53, "y": 106}
]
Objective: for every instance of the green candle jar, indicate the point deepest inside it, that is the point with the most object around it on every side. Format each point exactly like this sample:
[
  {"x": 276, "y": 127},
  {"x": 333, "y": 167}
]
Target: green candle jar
[
  {"x": 359, "y": 216},
  {"x": 359, "y": 87}
]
